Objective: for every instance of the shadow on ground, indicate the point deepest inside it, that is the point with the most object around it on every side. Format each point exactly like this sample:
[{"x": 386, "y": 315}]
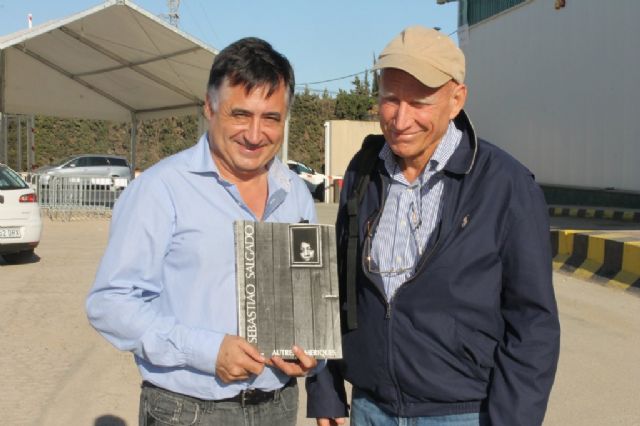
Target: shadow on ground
[{"x": 109, "y": 420}]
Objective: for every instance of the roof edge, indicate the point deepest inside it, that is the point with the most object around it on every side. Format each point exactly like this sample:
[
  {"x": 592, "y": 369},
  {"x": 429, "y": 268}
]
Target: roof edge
[
  {"x": 162, "y": 22},
  {"x": 26, "y": 34},
  {"x": 53, "y": 24}
]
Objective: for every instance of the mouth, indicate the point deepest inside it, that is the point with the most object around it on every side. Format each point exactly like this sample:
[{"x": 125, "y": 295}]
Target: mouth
[
  {"x": 402, "y": 137},
  {"x": 251, "y": 148}
]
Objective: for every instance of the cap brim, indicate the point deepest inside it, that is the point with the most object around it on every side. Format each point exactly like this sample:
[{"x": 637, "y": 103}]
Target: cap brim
[{"x": 425, "y": 73}]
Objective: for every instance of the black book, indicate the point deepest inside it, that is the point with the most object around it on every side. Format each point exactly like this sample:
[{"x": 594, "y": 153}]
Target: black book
[{"x": 287, "y": 284}]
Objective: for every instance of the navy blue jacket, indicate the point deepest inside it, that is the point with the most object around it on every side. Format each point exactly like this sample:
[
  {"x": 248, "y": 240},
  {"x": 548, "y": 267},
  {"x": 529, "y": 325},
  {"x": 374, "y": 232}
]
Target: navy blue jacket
[{"x": 476, "y": 328}]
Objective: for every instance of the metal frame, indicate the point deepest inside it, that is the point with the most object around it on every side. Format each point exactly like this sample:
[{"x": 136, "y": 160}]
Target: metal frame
[
  {"x": 78, "y": 80},
  {"x": 3, "y": 118},
  {"x": 111, "y": 55}
]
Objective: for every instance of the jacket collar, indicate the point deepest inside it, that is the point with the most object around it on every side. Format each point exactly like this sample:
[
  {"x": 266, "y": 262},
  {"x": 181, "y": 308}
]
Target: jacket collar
[{"x": 463, "y": 159}]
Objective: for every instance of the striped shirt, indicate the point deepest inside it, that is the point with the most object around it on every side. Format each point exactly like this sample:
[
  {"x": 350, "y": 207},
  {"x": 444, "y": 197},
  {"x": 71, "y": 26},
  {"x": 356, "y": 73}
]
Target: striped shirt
[{"x": 410, "y": 214}]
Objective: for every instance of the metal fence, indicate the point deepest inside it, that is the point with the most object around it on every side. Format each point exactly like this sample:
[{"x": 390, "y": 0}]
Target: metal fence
[{"x": 72, "y": 197}]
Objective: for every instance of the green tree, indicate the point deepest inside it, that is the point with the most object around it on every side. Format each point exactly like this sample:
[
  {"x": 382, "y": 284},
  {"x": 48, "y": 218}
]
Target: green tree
[
  {"x": 59, "y": 138},
  {"x": 306, "y": 127},
  {"x": 375, "y": 80},
  {"x": 356, "y": 104}
]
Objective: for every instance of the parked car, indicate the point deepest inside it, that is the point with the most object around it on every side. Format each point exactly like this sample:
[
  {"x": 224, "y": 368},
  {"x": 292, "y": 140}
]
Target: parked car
[
  {"x": 20, "y": 222},
  {"x": 315, "y": 181},
  {"x": 94, "y": 165}
]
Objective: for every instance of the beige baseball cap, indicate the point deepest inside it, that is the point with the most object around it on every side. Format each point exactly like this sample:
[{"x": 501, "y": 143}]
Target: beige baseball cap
[{"x": 428, "y": 55}]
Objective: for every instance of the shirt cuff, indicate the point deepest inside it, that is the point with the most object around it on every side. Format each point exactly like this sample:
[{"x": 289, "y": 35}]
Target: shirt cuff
[{"x": 202, "y": 349}]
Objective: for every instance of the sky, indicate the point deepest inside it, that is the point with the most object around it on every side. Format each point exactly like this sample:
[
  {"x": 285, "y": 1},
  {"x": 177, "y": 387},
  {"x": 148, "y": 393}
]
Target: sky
[{"x": 324, "y": 40}]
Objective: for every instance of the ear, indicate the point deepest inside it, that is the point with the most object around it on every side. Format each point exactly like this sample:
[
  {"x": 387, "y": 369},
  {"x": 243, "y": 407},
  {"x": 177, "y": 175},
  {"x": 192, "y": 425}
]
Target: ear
[
  {"x": 458, "y": 98},
  {"x": 208, "y": 108}
]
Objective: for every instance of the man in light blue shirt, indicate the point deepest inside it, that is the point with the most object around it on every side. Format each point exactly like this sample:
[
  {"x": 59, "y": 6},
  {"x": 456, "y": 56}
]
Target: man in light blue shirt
[{"x": 165, "y": 289}]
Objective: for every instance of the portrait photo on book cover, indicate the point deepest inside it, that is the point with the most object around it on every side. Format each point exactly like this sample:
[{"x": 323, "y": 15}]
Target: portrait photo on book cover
[{"x": 305, "y": 246}]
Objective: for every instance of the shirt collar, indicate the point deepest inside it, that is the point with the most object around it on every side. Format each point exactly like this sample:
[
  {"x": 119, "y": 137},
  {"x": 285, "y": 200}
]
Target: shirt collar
[
  {"x": 438, "y": 161},
  {"x": 446, "y": 147},
  {"x": 202, "y": 162}
]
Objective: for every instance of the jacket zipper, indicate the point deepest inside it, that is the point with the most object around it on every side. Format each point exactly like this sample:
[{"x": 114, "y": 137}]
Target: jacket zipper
[{"x": 421, "y": 267}]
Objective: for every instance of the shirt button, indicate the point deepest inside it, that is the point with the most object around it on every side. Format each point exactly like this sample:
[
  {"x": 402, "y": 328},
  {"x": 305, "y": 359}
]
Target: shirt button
[
  {"x": 398, "y": 259},
  {"x": 403, "y": 223}
]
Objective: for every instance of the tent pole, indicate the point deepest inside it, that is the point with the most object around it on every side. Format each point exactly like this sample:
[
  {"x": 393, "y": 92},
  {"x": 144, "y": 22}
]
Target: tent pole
[
  {"x": 134, "y": 134},
  {"x": 327, "y": 162},
  {"x": 19, "y": 143},
  {"x": 284, "y": 149},
  {"x": 3, "y": 137},
  {"x": 3, "y": 115},
  {"x": 31, "y": 146},
  {"x": 29, "y": 135}
]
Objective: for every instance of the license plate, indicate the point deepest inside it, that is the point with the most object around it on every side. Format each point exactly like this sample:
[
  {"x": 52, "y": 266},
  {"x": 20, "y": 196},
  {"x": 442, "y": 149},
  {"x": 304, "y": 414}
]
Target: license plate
[{"x": 13, "y": 232}]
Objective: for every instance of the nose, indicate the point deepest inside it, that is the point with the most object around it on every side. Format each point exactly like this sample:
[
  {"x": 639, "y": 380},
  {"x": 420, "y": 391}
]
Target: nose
[
  {"x": 403, "y": 117},
  {"x": 252, "y": 134}
]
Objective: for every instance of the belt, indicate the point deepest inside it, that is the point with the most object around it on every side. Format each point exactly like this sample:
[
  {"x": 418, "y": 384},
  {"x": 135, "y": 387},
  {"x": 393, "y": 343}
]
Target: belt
[
  {"x": 257, "y": 396},
  {"x": 245, "y": 397}
]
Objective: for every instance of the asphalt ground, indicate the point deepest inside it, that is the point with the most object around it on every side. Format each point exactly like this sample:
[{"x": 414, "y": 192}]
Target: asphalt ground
[{"x": 56, "y": 370}]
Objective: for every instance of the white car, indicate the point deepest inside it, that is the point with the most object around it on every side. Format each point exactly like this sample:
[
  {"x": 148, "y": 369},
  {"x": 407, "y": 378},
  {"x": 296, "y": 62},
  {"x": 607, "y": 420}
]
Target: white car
[
  {"x": 315, "y": 181},
  {"x": 94, "y": 165},
  {"x": 20, "y": 221}
]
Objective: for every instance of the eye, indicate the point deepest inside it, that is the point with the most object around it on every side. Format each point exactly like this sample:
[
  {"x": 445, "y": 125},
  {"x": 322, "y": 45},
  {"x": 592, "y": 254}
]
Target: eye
[
  {"x": 391, "y": 100},
  {"x": 272, "y": 118},
  {"x": 420, "y": 104},
  {"x": 239, "y": 114},
  {"x": 240, "y": 117}
]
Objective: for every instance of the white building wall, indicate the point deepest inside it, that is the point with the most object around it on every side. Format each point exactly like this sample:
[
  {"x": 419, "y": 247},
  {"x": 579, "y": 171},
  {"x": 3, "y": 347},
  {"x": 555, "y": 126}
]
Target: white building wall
[
  {"x": 344, "y": 140},
  {"x": 559, "y": 89}
]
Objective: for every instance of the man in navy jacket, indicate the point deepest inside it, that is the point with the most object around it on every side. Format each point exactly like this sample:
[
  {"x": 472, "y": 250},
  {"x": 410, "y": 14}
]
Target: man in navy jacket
[{"x": 452, "y": 317}]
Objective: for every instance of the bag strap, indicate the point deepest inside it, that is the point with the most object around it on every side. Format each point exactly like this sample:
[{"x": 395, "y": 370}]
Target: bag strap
[{"x": 367, "y": 160}]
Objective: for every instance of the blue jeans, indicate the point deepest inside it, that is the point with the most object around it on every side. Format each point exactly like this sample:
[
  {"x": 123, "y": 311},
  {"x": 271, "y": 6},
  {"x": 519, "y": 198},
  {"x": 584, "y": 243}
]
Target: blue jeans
[
  {"x": 160, "y": 407},
  {"x": 365, "y": 412}
]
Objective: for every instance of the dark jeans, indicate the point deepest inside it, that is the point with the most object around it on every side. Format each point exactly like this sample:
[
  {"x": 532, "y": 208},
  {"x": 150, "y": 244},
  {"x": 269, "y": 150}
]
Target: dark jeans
[{"x": 160, "y": 407}]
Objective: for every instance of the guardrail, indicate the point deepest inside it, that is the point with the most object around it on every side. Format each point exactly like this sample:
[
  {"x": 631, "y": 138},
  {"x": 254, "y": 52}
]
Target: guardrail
[{"x": 76, "y": 196}]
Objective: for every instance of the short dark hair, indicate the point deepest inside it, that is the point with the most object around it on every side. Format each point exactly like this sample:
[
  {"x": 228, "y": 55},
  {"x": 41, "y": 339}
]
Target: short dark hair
[{"x": 251, "y": 62}]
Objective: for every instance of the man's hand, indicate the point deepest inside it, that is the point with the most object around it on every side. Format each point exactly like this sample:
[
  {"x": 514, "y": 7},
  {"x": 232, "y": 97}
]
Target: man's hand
[
  {"x": 323, "y": 421},
  {"x": 297, "y": 368},
  {"x": 237, "y": 360}
]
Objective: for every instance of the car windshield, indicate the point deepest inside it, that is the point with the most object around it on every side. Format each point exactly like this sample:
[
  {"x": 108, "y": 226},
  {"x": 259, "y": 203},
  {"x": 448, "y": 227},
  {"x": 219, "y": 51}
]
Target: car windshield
[
  {"x": 64, "y": 161},
  {"x": 306, "y": 169},
  {"x": 300, "y": 168},
  {"x": 10, "y": 179}
]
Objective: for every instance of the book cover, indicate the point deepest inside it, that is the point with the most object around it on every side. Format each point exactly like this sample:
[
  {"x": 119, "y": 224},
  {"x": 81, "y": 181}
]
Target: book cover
[{"x": 287, "y": 283}]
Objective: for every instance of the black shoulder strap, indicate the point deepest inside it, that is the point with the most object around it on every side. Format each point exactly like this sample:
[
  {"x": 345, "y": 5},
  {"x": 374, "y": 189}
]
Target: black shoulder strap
[{"x": 365, "y": 165}]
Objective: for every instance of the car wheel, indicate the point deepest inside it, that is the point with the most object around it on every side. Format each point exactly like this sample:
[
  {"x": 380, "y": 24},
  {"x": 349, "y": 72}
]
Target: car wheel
[
  {"x": 19, "y": 257},
  {"x": 318, "y": 193}
]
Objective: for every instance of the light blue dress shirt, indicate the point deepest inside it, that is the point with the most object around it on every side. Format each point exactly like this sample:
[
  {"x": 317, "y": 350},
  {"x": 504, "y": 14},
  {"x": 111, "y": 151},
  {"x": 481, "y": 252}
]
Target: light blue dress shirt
[
  {"x": 165, "y": 289},
  {"x": 410, "y": 215}
]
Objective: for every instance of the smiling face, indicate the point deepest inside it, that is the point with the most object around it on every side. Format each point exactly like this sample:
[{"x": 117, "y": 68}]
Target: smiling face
[
  {"x": 414, "y": 117},
  {"x": 246, "y": 130}
]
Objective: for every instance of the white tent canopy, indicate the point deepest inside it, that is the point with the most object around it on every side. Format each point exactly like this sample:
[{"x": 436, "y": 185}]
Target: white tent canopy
[
  {"x": 110, "y": 62},
  {"x": 115, "y": 62}
]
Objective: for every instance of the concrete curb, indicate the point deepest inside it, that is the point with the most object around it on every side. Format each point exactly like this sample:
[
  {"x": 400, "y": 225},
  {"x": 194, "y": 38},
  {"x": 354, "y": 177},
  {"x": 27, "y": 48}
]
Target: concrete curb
[
  {"x": 612, "y": 259},
  {"x": 596, "y": 213}
]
